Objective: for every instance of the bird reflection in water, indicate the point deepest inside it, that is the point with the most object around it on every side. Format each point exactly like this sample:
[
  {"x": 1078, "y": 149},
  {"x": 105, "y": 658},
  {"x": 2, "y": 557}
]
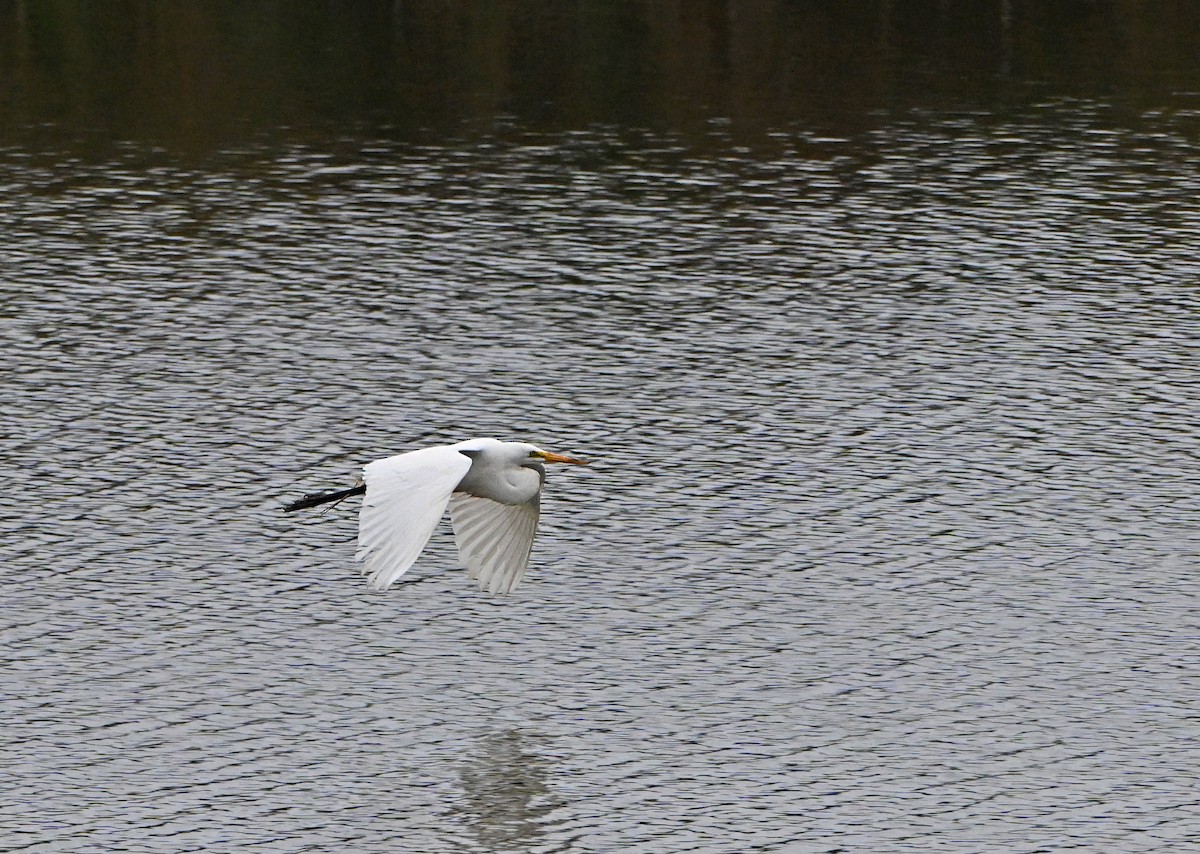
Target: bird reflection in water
[{"x": 506, "y": 796}]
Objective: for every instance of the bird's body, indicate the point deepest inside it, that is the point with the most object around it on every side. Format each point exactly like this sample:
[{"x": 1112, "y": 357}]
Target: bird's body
[{"x": 492, "y": 489}]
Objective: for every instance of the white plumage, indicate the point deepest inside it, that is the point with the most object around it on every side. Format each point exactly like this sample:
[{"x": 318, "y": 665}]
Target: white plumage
[
  {"x": 494, "y": 540},
  {"x": 492, "y": 488},
  {"x": 406, "y": 497}
]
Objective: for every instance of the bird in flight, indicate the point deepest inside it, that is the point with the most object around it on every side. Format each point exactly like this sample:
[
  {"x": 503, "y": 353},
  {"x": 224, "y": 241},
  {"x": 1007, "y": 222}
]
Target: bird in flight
[{"x": 492, "y": 488}]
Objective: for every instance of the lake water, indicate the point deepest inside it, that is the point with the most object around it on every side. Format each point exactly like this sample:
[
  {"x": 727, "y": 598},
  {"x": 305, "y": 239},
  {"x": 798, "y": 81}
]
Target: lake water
[{"x": 890, "y": 541}]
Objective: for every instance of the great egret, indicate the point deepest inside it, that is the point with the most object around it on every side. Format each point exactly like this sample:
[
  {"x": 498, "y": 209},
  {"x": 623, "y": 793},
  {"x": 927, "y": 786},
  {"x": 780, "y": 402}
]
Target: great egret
[{"x": 492, "y": 488}]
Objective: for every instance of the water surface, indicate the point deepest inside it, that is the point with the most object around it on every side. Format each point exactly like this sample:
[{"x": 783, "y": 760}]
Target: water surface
[{"x": 890, "y": 542}]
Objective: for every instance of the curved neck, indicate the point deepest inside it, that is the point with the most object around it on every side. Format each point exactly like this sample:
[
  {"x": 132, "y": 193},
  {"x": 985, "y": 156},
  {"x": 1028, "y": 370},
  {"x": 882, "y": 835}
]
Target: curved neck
[{"x": 507, "y": 484}]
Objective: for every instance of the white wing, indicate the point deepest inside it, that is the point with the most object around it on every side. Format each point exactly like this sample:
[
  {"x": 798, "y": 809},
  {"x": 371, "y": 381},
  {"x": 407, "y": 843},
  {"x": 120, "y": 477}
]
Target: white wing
[
  {"x": 406, "y": 496},
  {"x": 494, "y": 540}
]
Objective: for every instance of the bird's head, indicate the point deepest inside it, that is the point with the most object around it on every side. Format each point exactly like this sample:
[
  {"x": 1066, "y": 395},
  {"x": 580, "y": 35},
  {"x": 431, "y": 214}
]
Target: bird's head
[{"x": 495, "y": 452}]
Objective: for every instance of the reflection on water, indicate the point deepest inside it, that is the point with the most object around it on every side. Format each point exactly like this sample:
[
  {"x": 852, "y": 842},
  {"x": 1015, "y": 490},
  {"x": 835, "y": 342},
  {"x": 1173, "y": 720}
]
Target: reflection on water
[
  {"x": 206, "y": 75},
  {"x": 505, "y": 792},
  {"x": 890, "y": 541},
  {"x": 896, "y": 464}
]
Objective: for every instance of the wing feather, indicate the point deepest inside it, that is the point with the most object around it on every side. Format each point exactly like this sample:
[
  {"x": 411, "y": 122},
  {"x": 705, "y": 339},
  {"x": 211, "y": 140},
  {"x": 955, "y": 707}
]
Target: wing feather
[
  {"x": 494, "y": 540},
  {"x": 406, "y": 497}
]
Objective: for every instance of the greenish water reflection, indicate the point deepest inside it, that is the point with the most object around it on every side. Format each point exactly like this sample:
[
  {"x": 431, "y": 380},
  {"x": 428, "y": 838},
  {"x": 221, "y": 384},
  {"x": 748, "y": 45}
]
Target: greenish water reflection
[{"x": 194, "y": 75}]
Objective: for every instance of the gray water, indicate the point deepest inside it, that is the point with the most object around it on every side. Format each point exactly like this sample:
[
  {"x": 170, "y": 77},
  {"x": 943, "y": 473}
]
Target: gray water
[{"x": 890, "y": 542}]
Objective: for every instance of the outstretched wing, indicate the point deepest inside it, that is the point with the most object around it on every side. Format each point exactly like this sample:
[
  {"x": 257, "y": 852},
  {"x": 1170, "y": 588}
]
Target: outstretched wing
[
  {"x": 494, "y": 540},
  {"x": 406, "y": 496}
]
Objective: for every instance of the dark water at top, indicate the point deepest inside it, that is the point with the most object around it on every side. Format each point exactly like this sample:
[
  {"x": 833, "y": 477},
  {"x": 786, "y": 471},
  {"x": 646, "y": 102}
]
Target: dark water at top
[{"x": 880, "y": 326}]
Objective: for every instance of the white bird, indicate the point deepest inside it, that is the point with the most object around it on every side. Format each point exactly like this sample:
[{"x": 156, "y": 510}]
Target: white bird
[{"x": 492, "y": 488}]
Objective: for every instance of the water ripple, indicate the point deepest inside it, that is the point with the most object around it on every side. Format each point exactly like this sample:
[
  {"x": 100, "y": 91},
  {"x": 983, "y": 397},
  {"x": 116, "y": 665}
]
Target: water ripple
[{"x": 890, "y": 544}]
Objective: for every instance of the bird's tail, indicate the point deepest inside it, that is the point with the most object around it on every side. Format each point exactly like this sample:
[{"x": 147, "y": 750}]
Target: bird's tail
[{"x": 315, "y": 498}]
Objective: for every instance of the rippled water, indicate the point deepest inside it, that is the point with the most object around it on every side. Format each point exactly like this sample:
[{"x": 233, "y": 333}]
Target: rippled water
[{"x": 891, "y": 541}]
